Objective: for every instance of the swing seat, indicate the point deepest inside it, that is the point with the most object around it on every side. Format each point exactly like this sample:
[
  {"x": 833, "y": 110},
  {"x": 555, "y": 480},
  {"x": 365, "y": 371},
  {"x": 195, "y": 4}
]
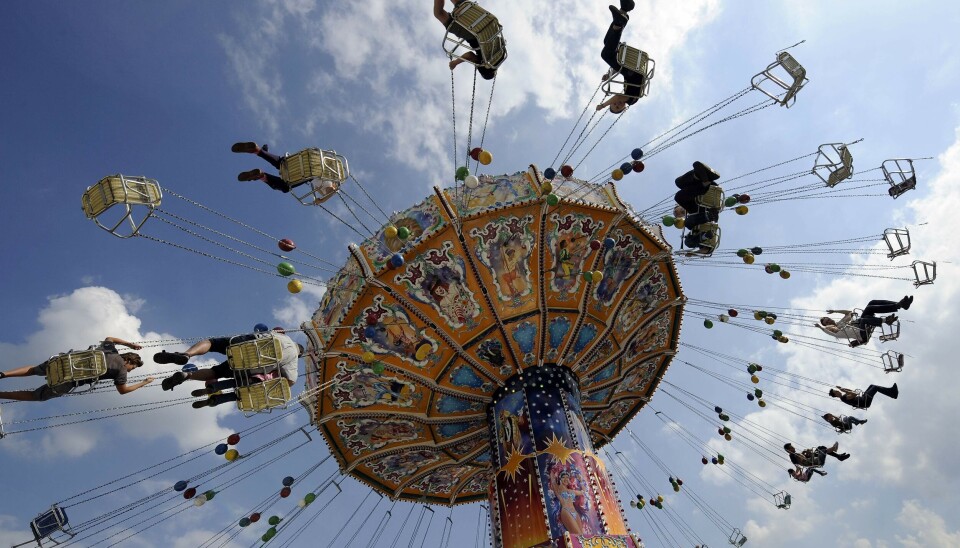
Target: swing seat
[
  {"x": 473, "y": 23},
  {"x": 889, "y": 332},
  {"x": 898, "y": 189},
  {"x": 737, "y": 538},
  {"x": 900, "y": 174},
  {"x": 840, "y": 429},
  {"x": 713, "y": 198},
  {"x": 634, "y": 60},
  {"x": 76, "y": 367},
  {"x": 709, "y": 242},
  {"x": 260, "y": 355},
  {"x": 898, "y": 241},
  {"x": 925, "y": 272},
  {"x": 263, "y": 396},
  {"x": 785, "y": 77},
  {"x": 123, "y": 191},
  {"x": 892, "y": 362},
  {"x": 52, "y": 521},
  {"x": 783, "y": 500},
  {"x": 320, "y": 172},
  {"x": 835, "y": 161}
]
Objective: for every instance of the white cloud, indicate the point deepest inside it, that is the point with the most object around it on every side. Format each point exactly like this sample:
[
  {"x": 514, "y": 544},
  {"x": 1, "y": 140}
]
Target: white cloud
[
  {"x": 927, "y": 528},
  {"x": 554, "y": 62},
  {"x": 903, "y": 448},
  {"x": 75, "y": 321}
]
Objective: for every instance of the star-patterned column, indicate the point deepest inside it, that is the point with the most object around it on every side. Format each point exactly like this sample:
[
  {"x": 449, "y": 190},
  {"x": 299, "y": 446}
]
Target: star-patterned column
[{"x": 550, "y": 488}]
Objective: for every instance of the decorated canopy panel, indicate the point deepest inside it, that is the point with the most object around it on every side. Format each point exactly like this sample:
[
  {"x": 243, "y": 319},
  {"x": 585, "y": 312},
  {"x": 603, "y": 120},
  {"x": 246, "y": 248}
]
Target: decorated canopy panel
[{"x": 423, "y": 325}]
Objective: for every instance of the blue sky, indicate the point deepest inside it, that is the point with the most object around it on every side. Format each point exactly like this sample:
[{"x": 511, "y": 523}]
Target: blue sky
[{"x": 163, "y": 89}]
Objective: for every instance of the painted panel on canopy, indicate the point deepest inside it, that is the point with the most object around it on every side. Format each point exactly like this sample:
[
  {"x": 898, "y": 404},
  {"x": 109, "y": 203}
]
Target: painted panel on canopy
[
  {"x": 422, "y": 220},
  {"x": 384, "y": 327},
  {"x": 584, "y": 339},
  {"x": 609, "y": 419},
  {"x": 619, "y": 265},
  {"x": 475, "y": 486},
  {"x": 652, "y": 336},
  {"x": 492, "y": 352},
  {"x": 354, "y": 386},
  {"x": 570, "y": 229},
  {"x": 363, "y": 435},
  {"x": 599, "y": 355},
  {"x": 525, "y": 338},
  {"x": 440, "y": 482},
  {"x": 393, "y": 469},
  {"x": 342, "y": 291},
  {"x": 603, "y": 375},
  {"x": 469, "y": 449},
  {"x": 649, "y": 293},
  {"x": 439, "y": 282},
  {"x": 463, "y": 377},
  {"x": 575, "y": 189},
  {"x": 445, "y": 406},
  {"x": 638, "y": 378},
  {"x": 504, "y": 247},
  {"x": 493, "y": 193},
  {"x": 444, "y": 433},
  {"x": 560, "y": 326}
]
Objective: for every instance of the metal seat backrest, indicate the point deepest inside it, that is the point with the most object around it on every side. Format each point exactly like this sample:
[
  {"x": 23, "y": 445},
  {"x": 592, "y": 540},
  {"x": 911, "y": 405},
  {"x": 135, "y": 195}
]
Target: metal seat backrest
[
  {"x": 53, "y": 520},
  {"x": 925, "y": 272},
  {"x": 484, "y": 26},
  {"x": 633, "y": 59},
  {"x": 713, "y": 198},
  {"x": 312, "y": 163},
  {"x": 260, "y": 354},
  {"x": 263, "y": 396},
  {"x": 117, "y": 189},
  {"x": 845, "y": 171},
  {"x": 75, "y": 367},
  {"x": 120, "y": 190}
]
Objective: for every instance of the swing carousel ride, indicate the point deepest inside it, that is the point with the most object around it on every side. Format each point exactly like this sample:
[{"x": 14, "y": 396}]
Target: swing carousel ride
[{"x": 492, "y": 342}]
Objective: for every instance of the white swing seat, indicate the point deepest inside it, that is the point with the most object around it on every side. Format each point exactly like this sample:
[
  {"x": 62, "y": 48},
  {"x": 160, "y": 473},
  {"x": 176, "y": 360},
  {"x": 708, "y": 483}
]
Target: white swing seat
[
  {"x": 76, "y": 367},
  {"x": 471, "y": 22},
  {"x": 785, "y": 77},
  {"x": 783, "y": 500},
  {"x": 260, "y": 356},
  {"x": 892, "y": 362},
  {"x": 124, "y": 191},
  {"x": 634, "y": 60},
  {"x": 48, "y": 523},
  {"x": 925, "y": 272},
  {"x": 900, "y": 174},
  {"x": 834, "y": 163},
  {"x": 898, "y": 242},
  {"x": 314, "y": 175}
]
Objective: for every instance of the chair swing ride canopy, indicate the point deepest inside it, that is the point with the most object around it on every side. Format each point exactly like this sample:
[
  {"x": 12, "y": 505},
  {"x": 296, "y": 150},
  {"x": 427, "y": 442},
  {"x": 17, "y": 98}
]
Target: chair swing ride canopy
[{"x": 493, "y": 281}]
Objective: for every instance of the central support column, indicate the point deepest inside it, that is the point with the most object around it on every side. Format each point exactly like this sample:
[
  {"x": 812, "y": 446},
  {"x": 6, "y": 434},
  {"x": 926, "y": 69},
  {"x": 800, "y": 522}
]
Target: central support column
[{"x": 550, "y": 488}]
